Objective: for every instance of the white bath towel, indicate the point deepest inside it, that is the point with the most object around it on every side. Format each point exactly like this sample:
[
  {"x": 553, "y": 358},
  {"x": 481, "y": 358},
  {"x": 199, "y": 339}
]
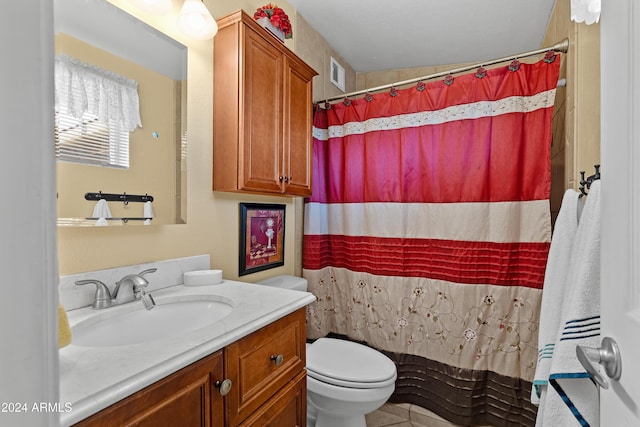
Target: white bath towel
[
  {"x": 101, "y": 211},
  {"x": 573, "y": 397},
  {"x": 148, "y": 213},
  {"x": 555, "y": 280}
]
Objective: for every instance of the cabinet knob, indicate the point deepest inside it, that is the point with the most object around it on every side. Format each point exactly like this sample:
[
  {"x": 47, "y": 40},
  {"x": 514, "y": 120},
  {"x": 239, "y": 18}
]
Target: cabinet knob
[
  {"x": 224, "y": 386},
  {"x": 281, "y": 178},
  {"x": 278, "y": 359}
]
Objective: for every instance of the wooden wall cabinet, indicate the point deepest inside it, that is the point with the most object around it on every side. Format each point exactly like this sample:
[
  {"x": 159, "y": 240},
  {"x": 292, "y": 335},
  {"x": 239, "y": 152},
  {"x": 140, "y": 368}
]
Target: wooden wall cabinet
[
  {"x": 262, "y": 114},
  {"x": 268, "y": 386}
]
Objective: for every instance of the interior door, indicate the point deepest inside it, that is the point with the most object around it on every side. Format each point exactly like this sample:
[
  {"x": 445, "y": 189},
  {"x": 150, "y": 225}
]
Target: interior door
[{"x": 620, "y": 153}]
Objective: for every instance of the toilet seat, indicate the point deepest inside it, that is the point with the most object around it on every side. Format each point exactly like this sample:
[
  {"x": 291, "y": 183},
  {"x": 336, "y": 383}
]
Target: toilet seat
[
  {"x": 349, "y": 364},
  {"x": 350, "y": 384}
]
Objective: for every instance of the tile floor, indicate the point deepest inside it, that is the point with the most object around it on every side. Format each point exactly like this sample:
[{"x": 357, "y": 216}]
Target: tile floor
[{"x": 405, "y": 415}]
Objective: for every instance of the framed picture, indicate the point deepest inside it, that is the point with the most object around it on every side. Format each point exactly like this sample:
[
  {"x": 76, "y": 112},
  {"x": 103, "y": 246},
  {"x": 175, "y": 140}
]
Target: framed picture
[{"x": 261, "y": 237}]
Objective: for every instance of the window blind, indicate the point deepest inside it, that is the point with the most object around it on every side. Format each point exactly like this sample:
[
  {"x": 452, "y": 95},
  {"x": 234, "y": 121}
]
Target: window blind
[{"x": 88, "y": 141}]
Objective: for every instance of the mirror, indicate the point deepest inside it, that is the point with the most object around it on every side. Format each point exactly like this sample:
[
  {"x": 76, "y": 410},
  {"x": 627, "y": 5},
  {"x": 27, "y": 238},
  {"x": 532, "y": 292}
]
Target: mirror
[{"x": 99, "y": 33}]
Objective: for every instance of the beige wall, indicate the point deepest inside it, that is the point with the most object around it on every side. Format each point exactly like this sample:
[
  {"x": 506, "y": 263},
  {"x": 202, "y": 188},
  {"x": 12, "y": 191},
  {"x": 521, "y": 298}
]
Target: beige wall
[
  {"x": 576, "y": 125},
  {"x": 212, "y": 217},
  {"x": 315, "y": 51}
]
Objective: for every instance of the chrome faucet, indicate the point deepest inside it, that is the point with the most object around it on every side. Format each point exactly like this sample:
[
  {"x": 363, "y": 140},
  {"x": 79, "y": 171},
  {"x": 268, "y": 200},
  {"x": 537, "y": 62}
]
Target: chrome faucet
[
  {"x": 103, "y": 298},
  {"x": 138, "y": 283}
]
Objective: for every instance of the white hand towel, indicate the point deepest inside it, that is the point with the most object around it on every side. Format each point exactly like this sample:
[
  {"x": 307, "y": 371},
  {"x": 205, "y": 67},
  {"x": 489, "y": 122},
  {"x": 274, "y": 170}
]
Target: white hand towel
[
  {"x": 101, "y": 211},
  {"x": 148, "y": 213},
  {"x": 555, "y": 280},
  {"x": 148, "y": 210},
  {"x": 573, "y": 397}
]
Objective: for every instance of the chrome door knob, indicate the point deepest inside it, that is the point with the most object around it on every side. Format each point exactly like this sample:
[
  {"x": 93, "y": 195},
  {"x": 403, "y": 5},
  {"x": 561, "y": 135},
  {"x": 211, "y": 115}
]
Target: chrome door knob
[
  {"x": 278, "y": 359},
  {"x": 224, "y": 386},
  {"x": 608, "y": 355}
]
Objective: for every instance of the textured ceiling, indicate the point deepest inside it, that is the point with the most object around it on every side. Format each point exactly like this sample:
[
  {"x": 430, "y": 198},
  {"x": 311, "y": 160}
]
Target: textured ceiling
[{"x": 376, "y": 35}]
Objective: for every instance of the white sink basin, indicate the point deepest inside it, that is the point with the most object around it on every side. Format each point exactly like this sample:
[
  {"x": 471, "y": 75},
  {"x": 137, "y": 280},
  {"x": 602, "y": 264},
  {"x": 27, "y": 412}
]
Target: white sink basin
[{"x": 130, "y": 323}]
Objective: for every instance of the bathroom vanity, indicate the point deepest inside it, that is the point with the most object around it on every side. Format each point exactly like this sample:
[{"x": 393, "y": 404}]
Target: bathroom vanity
[{"x": 245, "y": 369}]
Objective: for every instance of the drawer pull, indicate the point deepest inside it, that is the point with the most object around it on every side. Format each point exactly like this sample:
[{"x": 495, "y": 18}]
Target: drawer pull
[
  {"x": 278, "y": 359},
  {"x": 224, "y": 386}
]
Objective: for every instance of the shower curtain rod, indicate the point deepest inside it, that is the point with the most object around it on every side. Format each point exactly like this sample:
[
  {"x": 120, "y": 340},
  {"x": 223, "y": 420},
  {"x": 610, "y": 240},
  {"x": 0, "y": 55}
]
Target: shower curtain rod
[{"x": 562, "y": 46}]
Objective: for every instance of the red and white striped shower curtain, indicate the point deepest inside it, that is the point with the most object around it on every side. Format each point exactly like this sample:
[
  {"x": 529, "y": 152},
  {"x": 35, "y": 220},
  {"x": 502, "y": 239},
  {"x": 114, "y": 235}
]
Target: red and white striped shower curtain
[{"x": 428, "y": 232}]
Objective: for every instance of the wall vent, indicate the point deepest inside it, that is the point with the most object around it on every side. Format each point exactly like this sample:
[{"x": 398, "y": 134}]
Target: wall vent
[{"x": 337, "y": 74}]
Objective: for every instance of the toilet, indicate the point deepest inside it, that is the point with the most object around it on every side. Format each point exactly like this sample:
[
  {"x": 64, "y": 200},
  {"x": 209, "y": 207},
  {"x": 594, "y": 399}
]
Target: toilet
[{"x": 345, "y": 380}]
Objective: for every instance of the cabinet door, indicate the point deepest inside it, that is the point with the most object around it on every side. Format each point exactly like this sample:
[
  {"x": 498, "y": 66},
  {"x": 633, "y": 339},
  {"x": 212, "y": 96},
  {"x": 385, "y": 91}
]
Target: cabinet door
[
  {"x": 262, "y": 363},
  {"x": 298, "y": 116},
  {"x": 287, "y": 409},
  {"x": 259, "y": 167},
  {"x": 187, "y": 398}
]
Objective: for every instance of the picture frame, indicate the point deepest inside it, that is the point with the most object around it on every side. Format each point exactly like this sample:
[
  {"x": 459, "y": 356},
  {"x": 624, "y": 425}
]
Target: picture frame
[{"x": 262, "y": 228}]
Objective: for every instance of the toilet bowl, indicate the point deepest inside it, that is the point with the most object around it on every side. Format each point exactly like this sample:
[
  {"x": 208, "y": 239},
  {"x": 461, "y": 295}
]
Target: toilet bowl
[{"x": 345, "y": 380}]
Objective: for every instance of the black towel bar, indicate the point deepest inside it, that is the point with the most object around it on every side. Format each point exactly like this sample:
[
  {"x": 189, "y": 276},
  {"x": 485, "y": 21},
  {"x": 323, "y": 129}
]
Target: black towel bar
[
  {"x": 123, "y": 219},
  {"x": 124, "y": 197}
]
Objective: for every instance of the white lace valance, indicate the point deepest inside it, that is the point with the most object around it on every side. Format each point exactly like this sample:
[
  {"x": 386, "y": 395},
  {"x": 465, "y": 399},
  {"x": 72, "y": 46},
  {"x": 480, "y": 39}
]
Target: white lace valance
[{"x": 84, "y": 88}]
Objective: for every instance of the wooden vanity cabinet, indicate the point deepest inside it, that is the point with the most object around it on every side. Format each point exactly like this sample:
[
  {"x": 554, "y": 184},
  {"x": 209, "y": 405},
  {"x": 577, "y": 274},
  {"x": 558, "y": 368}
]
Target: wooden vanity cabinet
[
  {"x": 262, "y": 116},
  {"x": 268, "y": 376}
]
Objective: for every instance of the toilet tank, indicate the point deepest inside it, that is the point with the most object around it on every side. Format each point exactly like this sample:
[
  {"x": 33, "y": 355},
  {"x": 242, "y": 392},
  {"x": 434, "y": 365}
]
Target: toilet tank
[{"x": 286, "y": 281}]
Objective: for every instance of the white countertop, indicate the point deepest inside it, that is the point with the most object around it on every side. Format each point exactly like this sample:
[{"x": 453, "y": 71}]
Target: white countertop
[{"x": 93, "y": 378}]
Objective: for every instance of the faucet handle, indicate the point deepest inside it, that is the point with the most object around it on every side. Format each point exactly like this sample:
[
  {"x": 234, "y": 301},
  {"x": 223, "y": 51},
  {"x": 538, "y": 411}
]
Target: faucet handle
[
  {"x": 102, "y": 298},
  {"x": 140, "y": 286},
  {"x": 150, "y": 270}
]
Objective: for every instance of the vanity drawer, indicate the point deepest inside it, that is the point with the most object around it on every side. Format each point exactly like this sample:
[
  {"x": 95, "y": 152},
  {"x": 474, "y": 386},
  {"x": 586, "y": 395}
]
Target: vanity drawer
[{"x": 262, "y": 363}]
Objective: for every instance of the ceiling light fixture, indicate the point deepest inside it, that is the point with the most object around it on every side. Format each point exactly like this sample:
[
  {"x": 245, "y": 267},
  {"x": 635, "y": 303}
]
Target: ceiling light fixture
[
  {"x": 156, "y": 7},
  {"x": 195, "y": 20},
  {"x": 587, "y": 11}
]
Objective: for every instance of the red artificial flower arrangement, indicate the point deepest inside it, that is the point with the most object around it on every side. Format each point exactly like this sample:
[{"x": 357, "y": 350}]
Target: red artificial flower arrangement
[{"x": 277, "y": 17}]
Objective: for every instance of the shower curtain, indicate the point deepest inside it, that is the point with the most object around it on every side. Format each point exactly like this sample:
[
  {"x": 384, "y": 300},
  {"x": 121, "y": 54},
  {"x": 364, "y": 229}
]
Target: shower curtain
[{"x": 428, "y": 231}]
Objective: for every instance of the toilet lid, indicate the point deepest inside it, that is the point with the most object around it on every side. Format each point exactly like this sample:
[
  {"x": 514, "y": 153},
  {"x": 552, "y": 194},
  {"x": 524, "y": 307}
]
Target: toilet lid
[{"x": 349, "y": 364}]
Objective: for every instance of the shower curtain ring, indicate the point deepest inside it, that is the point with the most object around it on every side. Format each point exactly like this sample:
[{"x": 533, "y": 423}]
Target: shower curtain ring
[
  {"x": 420, "y": 86},
  {"x": 549, "y": 57},
  {"x": 448, "y": 80}
]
